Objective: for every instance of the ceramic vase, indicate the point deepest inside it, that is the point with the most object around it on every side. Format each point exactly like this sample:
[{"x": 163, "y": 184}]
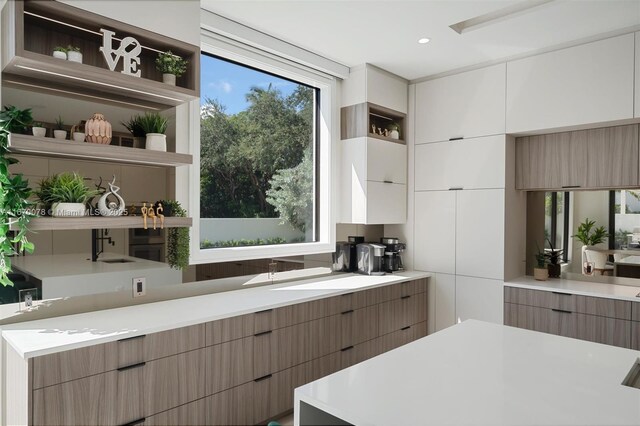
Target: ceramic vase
[
  {"x": 394, "y": 134},
  {"x": 78, "y": 136},
  {"x": 169, "y": 79},
  {"x": 60, "y": 134},
  {"x": 68, "y": 210},
  {"x": 59, "y": 55},
  {"x": 156, "y": 142},
  {"x": 74, "y": 56},
  {"x": 39, "y": 132},
  {"x": 98, "y": 129}
]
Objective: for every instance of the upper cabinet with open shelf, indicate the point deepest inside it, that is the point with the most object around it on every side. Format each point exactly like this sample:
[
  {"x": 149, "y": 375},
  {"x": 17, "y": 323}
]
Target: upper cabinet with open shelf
[{"x": 32, "y": 29}]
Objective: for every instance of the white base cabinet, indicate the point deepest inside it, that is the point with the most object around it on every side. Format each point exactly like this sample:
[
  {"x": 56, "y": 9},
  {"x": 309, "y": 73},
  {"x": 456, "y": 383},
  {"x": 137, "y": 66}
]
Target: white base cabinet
[
  {"x": 479, "y": 298},
  {"x": 445, "y": 300}
]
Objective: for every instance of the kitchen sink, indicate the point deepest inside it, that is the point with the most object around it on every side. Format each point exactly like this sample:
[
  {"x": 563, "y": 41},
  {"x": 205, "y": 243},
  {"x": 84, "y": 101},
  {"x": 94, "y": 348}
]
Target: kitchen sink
[
  {"x": 117, "y": 261},
  {"x": 633, "y": 378}
]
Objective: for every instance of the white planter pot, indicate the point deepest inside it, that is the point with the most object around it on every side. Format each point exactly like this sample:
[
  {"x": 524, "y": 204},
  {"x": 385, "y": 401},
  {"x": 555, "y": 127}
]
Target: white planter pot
[
  {"x": 394, "y": 134},
  {"x": 79, "y": 136},
  {"x": 593, "y": 255},
  {"x": 68, "y": 210},
  {"x": 59, "y": 55},
  {"x": 74, "y": 57},
  {"x": 39, "y": 132},
  {"x": 60, "y": 134},
  {"x": 156, "y": 142},
  {"x": 169, "y": 79},
  {"x": 541, "y": 274}
]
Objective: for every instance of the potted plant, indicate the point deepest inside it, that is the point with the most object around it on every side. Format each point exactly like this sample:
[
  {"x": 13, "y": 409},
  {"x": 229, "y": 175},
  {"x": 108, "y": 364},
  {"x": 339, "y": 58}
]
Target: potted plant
[
  {"x": 154, "y": 126},
  {"x": 60, "y": 52},
  {"x": 59, "y": 132},
  {"x": 541, "y": 273},
  {"x": 171, "y": 66},
  {"x": 65, "y": 194},
  {"x": 15, "y": 207},
  {"x": 134, "y": 126},
  {"x": 74, "y": 54},
  {"x": 38, "y": 129},
  {"x": 553, "y": 266},
  {"x": 395, "y": 130},
  {"x": 177, "y": 238},
  {"x": 167, "y": 207},
  {"x": 590, "y": 236},
  {"x": 77, "y": 132}
]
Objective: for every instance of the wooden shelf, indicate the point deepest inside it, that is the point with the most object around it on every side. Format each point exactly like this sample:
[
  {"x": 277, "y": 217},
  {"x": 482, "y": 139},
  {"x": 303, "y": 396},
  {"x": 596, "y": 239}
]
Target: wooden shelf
[
  {"x": 357, "y": 120},
  {"x": 385, "y": 138},
  {"x": 49, "y": 147},
  {"x": 99, "y": 222}
]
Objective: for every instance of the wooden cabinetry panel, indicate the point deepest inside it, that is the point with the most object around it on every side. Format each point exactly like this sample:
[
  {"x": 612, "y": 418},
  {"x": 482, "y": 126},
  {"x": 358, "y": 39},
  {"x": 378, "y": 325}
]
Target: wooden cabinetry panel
[
  {"x": 358, "y": 326},
  {"x": 229, "y": 364},
  {"x": 612, "y": 157},
  {"x": 231, "y": 407},
  {"x": 69, "y": 365},
  {"x": 635, "y": 335},
  {"x": 228, "y": 329},
  {"x": 635, "y": 311},
  {"x": 609, "y": 331},
  {"x": 160, "y": 345},
  {"x": 193, "y": 414},
  {"x": 400, "y": 313},
  {"x": 611, "y": 308}
]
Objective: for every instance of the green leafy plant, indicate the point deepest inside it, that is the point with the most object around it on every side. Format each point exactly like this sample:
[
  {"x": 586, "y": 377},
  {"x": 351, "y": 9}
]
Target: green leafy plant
[
  {"x": 134, "y": 126},
  {"x": 64, "y": 188},
  {"x": 168, "y": 63},
  {"x": 541, "y": 259},
  {"x": 177, "y": 238},
  {"x": 553, "y": 255},
  {"x": 152, "y": 122},
  {"x": 206, "y": 244},
  {"x": 60, "y": 49},
  {"x": 37, "y": 124},
  {"x": 590, "y": 236},
  {"x": 59, "y": 123},
  {"x": 71, "y": 48},
  {"x": 15, "y": 207},
  {"x": 394, "y": 126}
]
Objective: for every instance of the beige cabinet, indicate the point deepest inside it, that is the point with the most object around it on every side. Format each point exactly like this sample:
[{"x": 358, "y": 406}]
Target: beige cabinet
[
  {"x": 612, "y": 155},
  {"x": 635, "y": 335}
]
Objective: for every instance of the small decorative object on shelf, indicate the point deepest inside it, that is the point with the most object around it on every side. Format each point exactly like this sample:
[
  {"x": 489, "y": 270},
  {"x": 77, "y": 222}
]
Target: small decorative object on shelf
[
  {"x": 59, "y": 132},
  {"x": 77, "y": 132},
  {"x": 129, "y": 51},
  {"x": 154, "y": 126},
  {"x": 160, "y": 214},
  {"x": 541, "y": 273},
  {"x": 74, "y": 54},
  {"x": 134, "y": 126},
  {"x": 554, "y": 261},
  {"x": 98, "y": 129},
  {"x": 65, "y": 194},
  {"x": 394, "y": 130},
  {"x": 111, "y": 208},
  {"x": 177, "y": 239},
  {"x": 38, "y": 130},
  {"x": 144, "y": 211},
  {"x": 60, "y": 52},
  {"x": 171, "y": 66}
]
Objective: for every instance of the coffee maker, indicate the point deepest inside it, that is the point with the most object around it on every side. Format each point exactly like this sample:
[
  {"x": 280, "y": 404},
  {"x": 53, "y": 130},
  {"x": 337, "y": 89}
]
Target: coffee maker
[
  {"x": 392, "y": 254},
  {"x": 345, "y": 258},
  {"x": 371, "y": 259}
]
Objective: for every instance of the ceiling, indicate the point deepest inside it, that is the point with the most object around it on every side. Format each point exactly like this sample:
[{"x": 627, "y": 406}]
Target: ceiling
[{"x": 385, "y": 33}]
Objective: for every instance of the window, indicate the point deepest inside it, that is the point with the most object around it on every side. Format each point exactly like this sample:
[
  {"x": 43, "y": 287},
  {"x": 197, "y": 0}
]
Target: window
[
  {"x": 624, "y": 218},
  {"x": 556, "y": 221},
  {"x": 263, "y": 186}
]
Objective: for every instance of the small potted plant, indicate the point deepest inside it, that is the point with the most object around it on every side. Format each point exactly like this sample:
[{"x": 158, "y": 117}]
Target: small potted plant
[
  {"x": 60, "y": 52},
  {"x": 134, "y": 126},
  {"x": 59, "y": 132},
  {"x": 394, "y": 130},
  {"x": 554, "y": 266},
  {"x": 65, "y": 194},
  {"x": 38, "y": 129},
  {"x": 541, "y": 273},
  {"x": 154, "y": 126},
  {"x": 590, "y": 236},
  {"x": 74, "y": 54},
  {"x": 177, "y": 238},
  {"x": 171, "y": 66},
  {"x": 77, "y": 132}
]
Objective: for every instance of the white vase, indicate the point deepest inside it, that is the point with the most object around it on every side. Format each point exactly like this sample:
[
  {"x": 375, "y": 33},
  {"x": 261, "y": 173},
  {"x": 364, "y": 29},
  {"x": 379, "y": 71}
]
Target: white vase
[
  {"x": 79, "y": 136},
  {"x": 395, "y": 134},
  {"x": 169, "y": 79},
  {"x": 60, "y": 134},
  {"x": 74, "y": 56},
  {"x": 156, "y": 142},
  {"x": 68, "y": 210},
  {"x": 39, "y": 132},
  {"x": 541, "y": 274},
  {"x": 59, "y": 55}
]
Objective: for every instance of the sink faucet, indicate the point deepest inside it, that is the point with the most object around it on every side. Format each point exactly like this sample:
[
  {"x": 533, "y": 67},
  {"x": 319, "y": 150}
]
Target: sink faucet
[{"x": 98, "y": 237}]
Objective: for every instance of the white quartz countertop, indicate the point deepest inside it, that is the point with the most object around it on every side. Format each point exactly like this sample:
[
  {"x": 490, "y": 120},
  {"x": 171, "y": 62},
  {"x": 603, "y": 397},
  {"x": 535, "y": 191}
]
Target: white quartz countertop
[
  {"x": 62, "y": 265},
  {"x": 36, "y": 338},
  {"x": 584, "y": 288},
  {"x": 477, "y": 373}
]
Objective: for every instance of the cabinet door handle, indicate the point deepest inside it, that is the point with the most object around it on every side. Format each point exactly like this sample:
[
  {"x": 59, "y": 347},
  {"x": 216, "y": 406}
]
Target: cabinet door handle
[
  {"x": 346, "y": 349},
  {"x": 347, "y": 294},
  {"x": 455, "y": 188},
  {"x": 405, "y": 328},
  {"x": 562, "y": 311},
  {"x": 387, "y": 181},
  {"x": 570, "y": 186},
  {"x": 129, "y": 367},
  {"x": 132, "y": 338},
  {"x": 406, "y": 297},
  {"x": 562, "y": 294},
  {"x": 347, "y": 312},
  {"x": 265, "y": 311},
  {"x": 457, "y": 138},
  {"x": 259, "y": 379},
  {"x": 135, "y": 422},
  {"x": 262, "y": 333}
]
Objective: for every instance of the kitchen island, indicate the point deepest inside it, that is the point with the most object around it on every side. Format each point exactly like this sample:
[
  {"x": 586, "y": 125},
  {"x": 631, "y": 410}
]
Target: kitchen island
[{"x": 477, "y": 373}]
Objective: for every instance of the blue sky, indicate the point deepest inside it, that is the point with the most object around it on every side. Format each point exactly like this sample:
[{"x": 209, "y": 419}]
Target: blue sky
[{"x": 228, "y": 83}]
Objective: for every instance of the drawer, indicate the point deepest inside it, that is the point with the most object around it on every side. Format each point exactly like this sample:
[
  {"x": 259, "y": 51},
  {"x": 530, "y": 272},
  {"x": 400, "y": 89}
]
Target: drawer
[
  {"x": 357, "y": 326},
  {"x": 609, "y": 331},
  {"x": 635, "y": 311},
  {"x": 228, "y": 329},
  {"x": 193, "y": 413},
  {"x": 635, "y": 335},
  {"x": 231, "y": 407},
  {"x": 230, "y": 364},
  {"x": 396, "y": 314},
  {"x": 273, "y": 395},
  {"x": 354, "y": 300},
  {"x": 407, "y": 288},
  {"x": 403, "y": 336}
]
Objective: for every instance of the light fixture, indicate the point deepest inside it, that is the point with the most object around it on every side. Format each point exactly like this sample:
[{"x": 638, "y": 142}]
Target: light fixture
[
  {"x": 424, "y": 40},
  {"x": 499, "y": 15}
]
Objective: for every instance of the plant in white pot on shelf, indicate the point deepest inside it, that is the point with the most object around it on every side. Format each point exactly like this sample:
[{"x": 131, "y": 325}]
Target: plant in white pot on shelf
[
  {"x": 394, "y": 129},
  {"x": 60, "y": 52},
  {"x": 540, "y": 272},
  {"x": 59, "y": 132},
  {"x": 590, "y": 236},
  {"x": 171, "y": 66},
  {"x": 77, "y": 132},
  {"x": 134, "y": 126},
  {"x": 65, "y": 195},
  {"x": 154, "y": 126},
  {"x": 38, "y": 129},
  {"x": 74, "y": 54}
]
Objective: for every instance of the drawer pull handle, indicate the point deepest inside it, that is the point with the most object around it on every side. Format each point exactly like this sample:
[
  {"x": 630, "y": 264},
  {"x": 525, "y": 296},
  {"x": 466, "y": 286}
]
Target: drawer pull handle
[
  {"x": 347, "y": 312},
  {"x": 455, "y": 188},
  {"x": 405, "y": 328},
  {"x": 458, "y": 138},
  {"x": 387, "y": 181},
  {"x": 135, "y": 422},
  {"x": 132, "y": 338},
  {"x": 259, "y": 379},
  {"x": 570, "y": 186},
  {"x": 129, "y": 367},
  {"x": 562, "y": 311},
  {"x": 562, "y": 294},
  {"x": 406, "y": 297},
  {"x": 347, "y": 294},
  {"x": 346, "y": 349},
  {"x": 263, "y": 312},
  {"x": 262, "y": 333}
]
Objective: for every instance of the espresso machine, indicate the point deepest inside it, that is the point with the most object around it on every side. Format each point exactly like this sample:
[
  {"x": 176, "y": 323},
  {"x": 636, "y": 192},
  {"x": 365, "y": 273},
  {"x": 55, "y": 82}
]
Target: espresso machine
[
  {"x": 370, "y": 258},
  {"x": 345, "y": 258},
  {"x": 392, "y": 254}
]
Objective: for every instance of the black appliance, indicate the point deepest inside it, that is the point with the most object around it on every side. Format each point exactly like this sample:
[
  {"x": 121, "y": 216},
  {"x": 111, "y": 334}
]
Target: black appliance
[
  {"x": 345, "y": 258},
  {"x": 392, "y": 254}
]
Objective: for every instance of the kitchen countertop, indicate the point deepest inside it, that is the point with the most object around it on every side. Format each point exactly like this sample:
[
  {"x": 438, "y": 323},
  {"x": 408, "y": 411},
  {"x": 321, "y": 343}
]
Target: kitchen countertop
[
  {"x": 584, "y": 288},
  {"x": 477, "y": 373},
  {"x": 42, "y": 337}
]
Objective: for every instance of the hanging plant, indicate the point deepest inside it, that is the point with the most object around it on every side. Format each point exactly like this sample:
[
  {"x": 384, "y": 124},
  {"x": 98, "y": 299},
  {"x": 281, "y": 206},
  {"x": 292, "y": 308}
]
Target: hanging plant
[
  {"x": 177, "y": 238},
  {"x": 15, "y": 207}
]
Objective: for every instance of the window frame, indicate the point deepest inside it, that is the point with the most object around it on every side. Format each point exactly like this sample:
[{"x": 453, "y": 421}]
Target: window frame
[
  {"x": 566, "y": 214},
  {"x": 326, "y": 118}
]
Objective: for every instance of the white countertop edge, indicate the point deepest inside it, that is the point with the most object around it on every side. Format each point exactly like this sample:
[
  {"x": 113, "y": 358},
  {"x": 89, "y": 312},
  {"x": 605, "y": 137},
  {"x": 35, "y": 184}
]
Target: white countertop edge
[
  {"x": 12, "y": 333},
  {"x": 582, "y": 288},
  {"x": 300, "y": 396}
]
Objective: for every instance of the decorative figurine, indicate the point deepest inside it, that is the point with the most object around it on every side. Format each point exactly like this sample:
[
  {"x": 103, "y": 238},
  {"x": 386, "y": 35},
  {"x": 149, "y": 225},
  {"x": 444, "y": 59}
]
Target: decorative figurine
[
  {"x": 144, "y": 210},
  {"x": 373, "y": 129},
  {"x": 98, "y": 129},
  {"x": 152, "y": 214},
  {"x": 160, "y": 213},
  {"x": 113, "y": 208}
]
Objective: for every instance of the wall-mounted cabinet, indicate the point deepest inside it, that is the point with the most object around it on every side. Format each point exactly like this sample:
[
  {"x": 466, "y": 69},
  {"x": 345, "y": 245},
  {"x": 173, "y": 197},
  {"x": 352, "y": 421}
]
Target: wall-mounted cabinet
[
  {"x": 590, "y": 83},
  {"x": 368, "y": 83},
  {"x": 374, "y": 121},
  {"x": 464, "y": 105},
  {"x": 32, "y": 29}
]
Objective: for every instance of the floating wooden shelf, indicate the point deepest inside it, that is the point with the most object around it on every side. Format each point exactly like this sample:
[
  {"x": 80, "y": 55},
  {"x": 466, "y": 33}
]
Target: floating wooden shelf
[
  {"x": 49, "y": 147},
  {"x": 98, "y": 222},
  {"x": 357, "y": 120}
]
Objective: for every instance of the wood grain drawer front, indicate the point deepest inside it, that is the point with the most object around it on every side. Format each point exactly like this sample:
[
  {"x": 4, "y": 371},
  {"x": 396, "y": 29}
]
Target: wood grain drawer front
[
  {"x": 110, "y": 398},
  {"x": 193, "y": 413},
  {"x": 358, "y": 326},
  {"x": 228, "y": 329},
  {"x": 403, "y": 312},
  {"x": 173, "y": 381},
  {"x": 541, "y": 319},
  {"x": 323, "y": 366},
  {"x": 231, "y": 407},
  {"x": 609, "y": 331},
  {"x": 402, "y": 337},
  {"x": 273, "y": 395},
  {"x": 635, "y": 311},
  {"x": 229, "y": 364},
  {"x": 600, "y": 306},
  {"x": 635, "y": 335},
  {"x": 71, "y": 365}
]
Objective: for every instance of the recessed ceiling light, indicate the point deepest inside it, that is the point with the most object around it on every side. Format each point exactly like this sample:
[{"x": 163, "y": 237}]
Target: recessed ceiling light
[{"x": 424, "y": 40}]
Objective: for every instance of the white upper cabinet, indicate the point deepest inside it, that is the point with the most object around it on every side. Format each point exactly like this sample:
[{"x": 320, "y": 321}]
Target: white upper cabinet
[
  {"x": 637, "y": 80},
  {"x": 435, "y": 231},
  {"x": 464, "y": 105},
  {"x": 370, "y": 84},
  {"x": 386, "y": 161},
  {"x": 585, "y": 84},
  {"x": 461, "y": 164}
]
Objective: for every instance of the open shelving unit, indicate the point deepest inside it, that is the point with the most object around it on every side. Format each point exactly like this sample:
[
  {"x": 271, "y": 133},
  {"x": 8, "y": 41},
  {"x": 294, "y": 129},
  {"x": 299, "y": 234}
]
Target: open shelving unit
[
  {"x": 101, "y": 222},
  {"x": 357, "y": 121}
]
